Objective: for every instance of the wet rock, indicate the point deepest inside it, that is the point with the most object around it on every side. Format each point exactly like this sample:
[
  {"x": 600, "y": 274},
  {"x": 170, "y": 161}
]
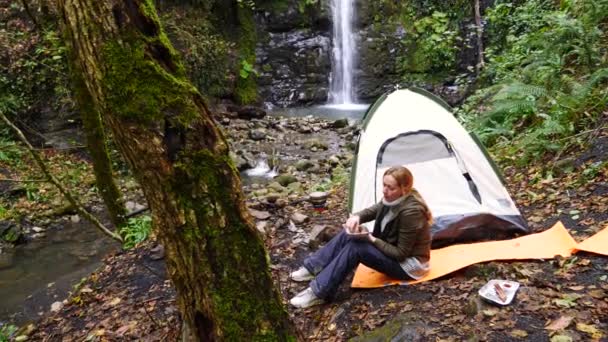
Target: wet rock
[
  {"x": 272, "y": 197},
  {"x": 285, "y": 180},
  {"x": 333, "y": 161},
  {"x": 11, "y": 232},
  {"x": 304, "y": 165},
  {"x": 38, "y": 235},
  {"x": 240, "y": 162},
  {"x": 295, "y": 188},
  {"x": 281, "y": 203},
  {"x": 260, "y": 192},
  {"x": 257, "y": 134},
  {"x": 340, "y": 123},
  {"x": 260, "y": 215},
  {"x": 38, "y": 229},
  {"x": 305, "y": 129},
  {"x": 316, "y": 144},
  {"x": 261, "y": 226},
  {"x": 250, "y": 112},
  {"x": 276, "y": 187},
  {"x": 56, "y": 307},
  {"x": 299, "y": 218}
]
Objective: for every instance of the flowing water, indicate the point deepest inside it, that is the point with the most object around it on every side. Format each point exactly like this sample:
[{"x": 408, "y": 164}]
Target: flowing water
[
  {"x": 43, "y": 270},
  {"x": 343, "y": 53},
  {"x": 353, "y": 112}
]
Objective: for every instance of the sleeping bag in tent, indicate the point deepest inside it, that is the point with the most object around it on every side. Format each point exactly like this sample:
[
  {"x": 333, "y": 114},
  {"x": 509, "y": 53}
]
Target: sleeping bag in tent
[{"x": 462, "y": 187}]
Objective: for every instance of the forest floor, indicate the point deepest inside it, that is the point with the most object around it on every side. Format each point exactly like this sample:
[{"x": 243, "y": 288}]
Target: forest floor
[{"x": 563, "y": 299}]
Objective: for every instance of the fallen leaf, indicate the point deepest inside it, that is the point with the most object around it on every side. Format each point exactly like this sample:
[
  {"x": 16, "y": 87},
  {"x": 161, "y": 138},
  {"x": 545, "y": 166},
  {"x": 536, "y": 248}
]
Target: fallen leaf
[
  {"x": 490, "y": 312},
  {"x": 115, "y": 301},
  {"x": 597, "y": 294},
  {"x": 589, "y": 329},
  {"x": 576, "y": 288},
  {"x": 561, "y": 338},
  {"x": 560, "y": 324},
  {"x": 519, "y": 333}
]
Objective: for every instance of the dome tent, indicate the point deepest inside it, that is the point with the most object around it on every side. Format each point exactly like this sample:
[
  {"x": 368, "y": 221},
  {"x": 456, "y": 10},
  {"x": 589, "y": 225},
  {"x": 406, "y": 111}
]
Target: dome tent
[{"x": 454, "y": 174}]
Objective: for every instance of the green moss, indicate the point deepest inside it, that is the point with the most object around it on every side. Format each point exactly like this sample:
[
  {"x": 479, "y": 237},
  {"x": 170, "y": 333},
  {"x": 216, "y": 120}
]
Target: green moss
[
  {"x": 246, "y": 87},
  {"x": 140, "y": 89},
  {"x": 234, "y": 253},
  {"x": 142, "y": 84}
]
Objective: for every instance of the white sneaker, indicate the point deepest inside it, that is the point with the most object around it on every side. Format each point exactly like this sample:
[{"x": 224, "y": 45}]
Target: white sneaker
[
  {"x": 301, "y": 274},
  {"x": 305, "y": 299}
]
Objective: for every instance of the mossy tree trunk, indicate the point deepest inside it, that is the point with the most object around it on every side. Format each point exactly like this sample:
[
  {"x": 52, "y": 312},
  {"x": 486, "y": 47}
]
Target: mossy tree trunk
[
  {"x": 214, "y": 255},
  {"x": 96, "y": 144}
]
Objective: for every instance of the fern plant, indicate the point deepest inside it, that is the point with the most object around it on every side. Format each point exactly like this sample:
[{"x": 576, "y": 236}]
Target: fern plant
[{"x": 549, "y": 81}]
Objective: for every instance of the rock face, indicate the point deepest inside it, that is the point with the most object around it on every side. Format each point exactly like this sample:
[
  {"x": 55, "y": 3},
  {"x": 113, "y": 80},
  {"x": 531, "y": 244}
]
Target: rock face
[
  {"x": 295, "y": 46},
  {"x": 293, "y": 53}
]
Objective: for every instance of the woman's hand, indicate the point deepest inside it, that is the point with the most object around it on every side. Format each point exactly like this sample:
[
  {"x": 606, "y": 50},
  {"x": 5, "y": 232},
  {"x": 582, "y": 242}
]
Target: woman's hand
[{"x": 352, "y": 225}]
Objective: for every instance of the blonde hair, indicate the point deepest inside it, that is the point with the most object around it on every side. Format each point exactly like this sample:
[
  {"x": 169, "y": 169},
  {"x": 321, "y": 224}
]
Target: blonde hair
[
  {"x": 403, "y": 176},
  {"x": 405, "y": 179}
]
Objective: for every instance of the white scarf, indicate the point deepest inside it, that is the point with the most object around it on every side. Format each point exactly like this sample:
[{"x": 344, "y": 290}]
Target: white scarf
[{"x": 390, "y": 214}]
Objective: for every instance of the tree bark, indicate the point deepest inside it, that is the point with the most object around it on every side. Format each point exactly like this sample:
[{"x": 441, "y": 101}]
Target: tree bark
[
  {"x": 96, "y": 144},
  {"x": 215, "y": 257},
  {"x": 479, "y": 27}
]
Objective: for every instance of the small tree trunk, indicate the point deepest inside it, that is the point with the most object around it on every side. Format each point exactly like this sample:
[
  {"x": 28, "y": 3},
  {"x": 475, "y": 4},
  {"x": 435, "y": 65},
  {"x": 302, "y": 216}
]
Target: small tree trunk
[
  {"x": 214, "y": 255},
  {"x": 96, "y": 144},
  {"x": 480, "y": 63}
]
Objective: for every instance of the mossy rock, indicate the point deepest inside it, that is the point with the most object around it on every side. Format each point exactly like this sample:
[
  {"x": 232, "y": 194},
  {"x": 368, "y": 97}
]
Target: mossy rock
[
  {"x": 402, "y": 328},
  {"x": 304, "y": 165},
  {"x": 318, "y": 144},
  {"x": 285, "y": 180},
  {"x": 276, "y": 187},
  {"x": 11, "y": 232}
]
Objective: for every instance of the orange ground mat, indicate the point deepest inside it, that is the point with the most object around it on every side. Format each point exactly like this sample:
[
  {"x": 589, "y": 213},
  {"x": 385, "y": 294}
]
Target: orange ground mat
[
  {"x": 598, "y": 243},
  {"x": 545, "y": 245}
]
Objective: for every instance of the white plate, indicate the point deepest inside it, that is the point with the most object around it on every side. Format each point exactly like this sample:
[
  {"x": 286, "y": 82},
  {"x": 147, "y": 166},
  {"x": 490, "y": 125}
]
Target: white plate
[{"x": 489, "y": 293}]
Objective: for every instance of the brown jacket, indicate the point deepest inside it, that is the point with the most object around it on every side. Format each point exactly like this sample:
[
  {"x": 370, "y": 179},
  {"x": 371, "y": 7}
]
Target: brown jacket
[{"x": 408, "y": 234}]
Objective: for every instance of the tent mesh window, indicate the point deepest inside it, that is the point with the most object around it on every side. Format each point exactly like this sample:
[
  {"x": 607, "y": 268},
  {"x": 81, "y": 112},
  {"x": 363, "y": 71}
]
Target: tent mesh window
[{"x": 419, "y": 147}]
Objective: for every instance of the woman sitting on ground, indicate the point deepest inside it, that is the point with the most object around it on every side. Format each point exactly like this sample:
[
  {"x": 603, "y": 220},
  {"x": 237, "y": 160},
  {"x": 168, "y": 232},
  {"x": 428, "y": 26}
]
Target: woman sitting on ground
[{"x": 399, "y": 246}]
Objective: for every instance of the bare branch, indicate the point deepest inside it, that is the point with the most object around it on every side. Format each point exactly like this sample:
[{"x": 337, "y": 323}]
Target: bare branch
[{"x": 79, "y": 208}]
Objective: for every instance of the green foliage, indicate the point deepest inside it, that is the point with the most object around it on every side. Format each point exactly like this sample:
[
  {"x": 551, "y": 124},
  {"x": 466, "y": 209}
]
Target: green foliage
[
  {"x": 339, "y": 177},
  {"x": 206, "y": 53},
  {"x": 303, "y": 4},
  {"x": 546, "y": 75},
  {"x": 36, "y": 77},
  {"x": 7, "y": 332},
  {"x": 432, "y": 41},
  {"x": 10, "y": 153},
  {"x": 136, "y": 231},
  {"x": 247, "y": 69},
  {"x": 245, "y": 91}
]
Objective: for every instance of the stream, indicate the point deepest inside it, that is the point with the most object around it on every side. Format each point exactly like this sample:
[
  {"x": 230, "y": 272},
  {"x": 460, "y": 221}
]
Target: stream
[{"x": 43, "y": 271}]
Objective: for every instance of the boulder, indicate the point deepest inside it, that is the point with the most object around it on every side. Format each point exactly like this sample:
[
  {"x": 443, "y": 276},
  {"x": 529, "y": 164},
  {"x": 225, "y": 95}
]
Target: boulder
[
  {"x": 257, "y": 134},
  {"x": 402, "y": 328},
  {"x": 298, "y": 218},
  {"x": 317, "y": 144},
  {"x": 340, "y": 123},
  {"x": 11, "y": 232},
  {"x": 250, "y": 112},
  {"x": 304, "y": 165},
  {"x": 286, "y": 179},
  {"x": 260, "y": 215}
]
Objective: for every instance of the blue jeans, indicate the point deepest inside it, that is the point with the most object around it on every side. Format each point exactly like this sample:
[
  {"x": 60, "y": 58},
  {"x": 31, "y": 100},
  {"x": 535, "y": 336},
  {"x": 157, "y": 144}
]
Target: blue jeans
[{"x": 332, "y": 263}]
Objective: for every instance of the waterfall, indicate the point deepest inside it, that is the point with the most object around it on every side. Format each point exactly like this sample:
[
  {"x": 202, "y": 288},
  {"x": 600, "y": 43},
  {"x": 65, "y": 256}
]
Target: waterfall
[
  {"x": 343, "y": 53},
  {"x": 262, "y": 169}
]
